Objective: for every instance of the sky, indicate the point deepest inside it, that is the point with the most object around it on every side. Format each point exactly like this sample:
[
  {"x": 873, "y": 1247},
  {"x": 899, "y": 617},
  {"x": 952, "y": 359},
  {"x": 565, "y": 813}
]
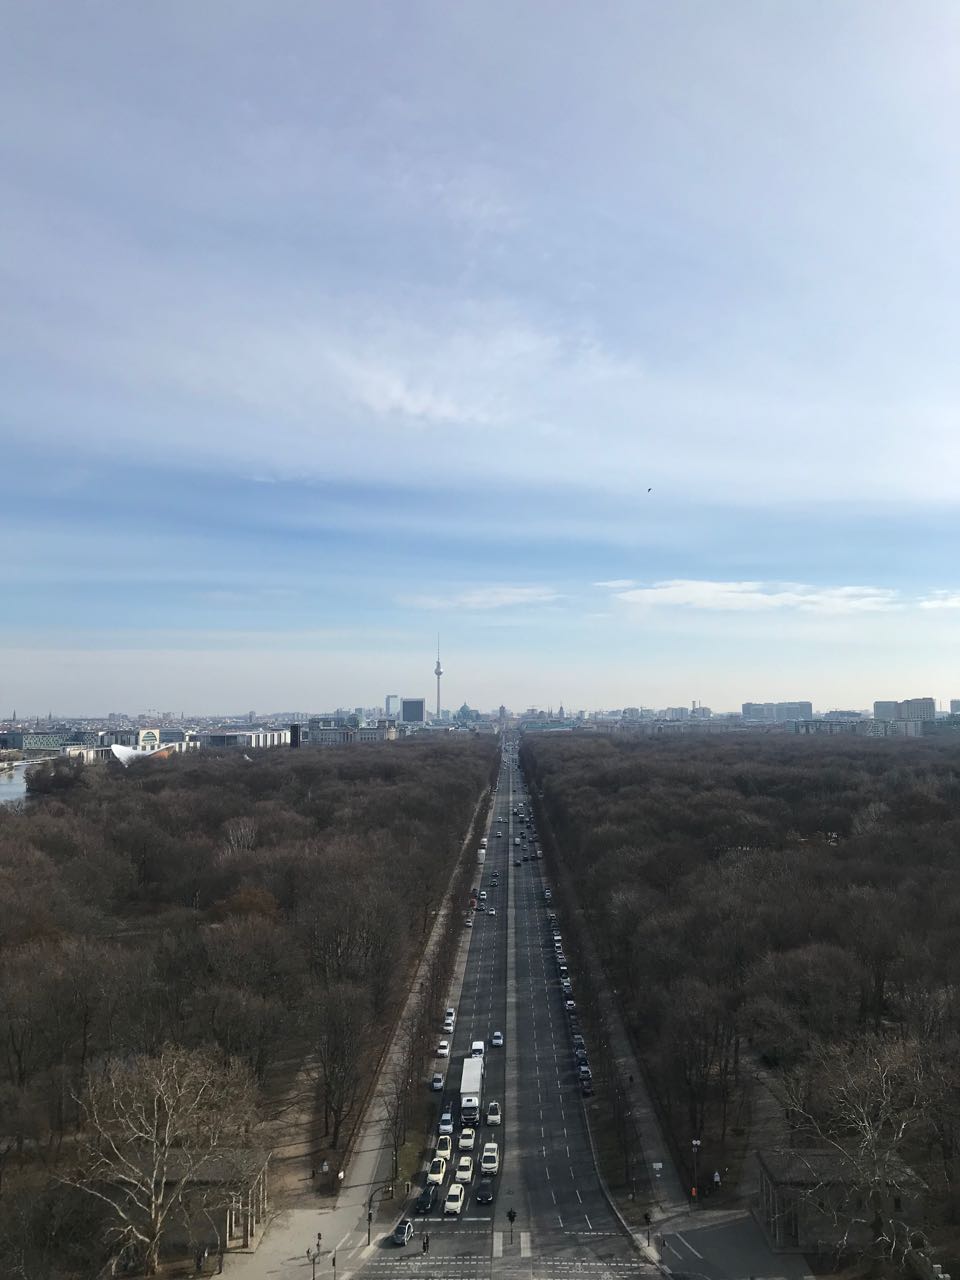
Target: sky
[{"x": 615, "y": 344}]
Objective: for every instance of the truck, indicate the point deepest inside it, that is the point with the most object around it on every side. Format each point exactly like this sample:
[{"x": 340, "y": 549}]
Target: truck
[{"x": 471, "y": 1090}]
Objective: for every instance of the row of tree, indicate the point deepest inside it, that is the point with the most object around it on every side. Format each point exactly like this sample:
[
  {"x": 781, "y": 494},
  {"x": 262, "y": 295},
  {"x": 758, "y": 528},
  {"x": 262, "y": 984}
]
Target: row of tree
[
  {"x": 796, "y": 899},
  {"x": 206, "y": 910}
]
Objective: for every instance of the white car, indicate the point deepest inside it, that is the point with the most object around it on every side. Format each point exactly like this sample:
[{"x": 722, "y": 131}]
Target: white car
[
  {"x": 443, "y": 1049},
  {"x": 490, "y": 1160},
  {"x": 468, "y": 923},
  {"x": 491, "y": 911},
  {"x": 446, "y": 1123},
  {"x": 450, "y": 1014},
  {"x": 444, "y": 1146},
  {"x": 466, "y": 1140},
  {"x": 448, "y": 1025},
  {"x": 493, "y": 1113},
  {"x": 497, "y": 1040},
  {"x": 464, "y": 1169},
  {"x": 455, "y": 1198},
  {"x": 437, "y": 1082},
  {"x": 438, "y": 1171}
]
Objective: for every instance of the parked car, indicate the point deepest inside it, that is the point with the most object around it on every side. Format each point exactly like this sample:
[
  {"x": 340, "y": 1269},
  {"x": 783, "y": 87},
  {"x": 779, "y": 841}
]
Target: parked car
[
  {"x": 443, "y": 1049},
  {"x": 437, "y": 1082},
  {"x": 402, "y": 1231},
  {"x": 427, "y": 1198}
]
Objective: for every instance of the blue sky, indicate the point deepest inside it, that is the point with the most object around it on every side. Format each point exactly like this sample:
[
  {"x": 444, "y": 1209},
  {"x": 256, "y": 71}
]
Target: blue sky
[{"x": 329, "y": 327}]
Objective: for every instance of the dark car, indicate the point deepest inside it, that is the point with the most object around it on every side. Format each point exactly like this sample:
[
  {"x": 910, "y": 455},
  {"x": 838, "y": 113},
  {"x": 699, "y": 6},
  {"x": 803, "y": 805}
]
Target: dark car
[
  {"x": 403, "y": 1231},
  {"x": 586, "y": 1088},
  {"x": 427, "y": 1198},
  {"x": 484, "y": 1191}
]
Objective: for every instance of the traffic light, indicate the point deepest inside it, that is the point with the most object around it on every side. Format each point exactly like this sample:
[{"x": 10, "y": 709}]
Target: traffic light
[{"x": 511, "y": 1216}]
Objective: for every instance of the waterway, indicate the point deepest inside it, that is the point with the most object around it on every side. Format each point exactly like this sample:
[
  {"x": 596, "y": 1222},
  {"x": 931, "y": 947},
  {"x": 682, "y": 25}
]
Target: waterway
[{"x": 13, "y": 784}]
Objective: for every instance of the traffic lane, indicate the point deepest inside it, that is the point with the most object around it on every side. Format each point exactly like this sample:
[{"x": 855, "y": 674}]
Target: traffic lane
[
  {"x": 570, "y": 1204},
  {"x": 725, "y": 1246}
]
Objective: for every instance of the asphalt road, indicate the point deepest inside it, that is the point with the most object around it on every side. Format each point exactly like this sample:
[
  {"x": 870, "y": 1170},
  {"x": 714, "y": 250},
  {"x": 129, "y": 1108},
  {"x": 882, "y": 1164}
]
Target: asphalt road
[{"x": 563, "y": 1224}]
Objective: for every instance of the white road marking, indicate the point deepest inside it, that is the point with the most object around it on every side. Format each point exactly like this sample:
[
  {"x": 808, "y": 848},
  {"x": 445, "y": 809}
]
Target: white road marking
[
  {"x": 580, "y": 1197},
  {"x": 554, "y": 1194},
  {"x": 589, "y": 1223},
  {"x": 689, "y": 1246},
  {"x": 524, "y": 1244},
  {"x": 498, "y": 1244}
]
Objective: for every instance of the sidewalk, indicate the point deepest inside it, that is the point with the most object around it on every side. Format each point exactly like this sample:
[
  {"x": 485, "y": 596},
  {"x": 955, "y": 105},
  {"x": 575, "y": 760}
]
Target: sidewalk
[{"x": 343, "y": 1225}]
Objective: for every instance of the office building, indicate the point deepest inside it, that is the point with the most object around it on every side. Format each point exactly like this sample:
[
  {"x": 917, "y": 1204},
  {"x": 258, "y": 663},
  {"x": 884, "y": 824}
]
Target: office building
[
  {"x": 413, "y": 710},
  {"x": 908, "y": 709},
  {"x": 955, "y": 706},
  {"x": 759, "y": 712},
  {"x": 885, "y": 710},
  {"x": 792, "y": 711},
  {"x": 392, "y": 707}
]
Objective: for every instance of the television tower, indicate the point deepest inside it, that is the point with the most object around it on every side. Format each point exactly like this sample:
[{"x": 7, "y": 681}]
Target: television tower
[{"x": 438, "y": 672}]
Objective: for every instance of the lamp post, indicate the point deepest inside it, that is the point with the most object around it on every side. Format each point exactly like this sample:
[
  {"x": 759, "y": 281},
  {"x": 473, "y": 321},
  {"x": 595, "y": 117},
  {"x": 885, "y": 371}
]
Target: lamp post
[
  {"x": 313, "y": 1255},
  {"x": 695, "y": 1143}
]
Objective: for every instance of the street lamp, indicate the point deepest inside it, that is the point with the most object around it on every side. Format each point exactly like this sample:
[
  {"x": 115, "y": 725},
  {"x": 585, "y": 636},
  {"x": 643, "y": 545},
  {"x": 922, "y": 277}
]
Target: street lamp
[
  {"x": 382, "y": 1187},
  {"x": 313, "y": 1255},
  {"x": 695, "y": 1143}
]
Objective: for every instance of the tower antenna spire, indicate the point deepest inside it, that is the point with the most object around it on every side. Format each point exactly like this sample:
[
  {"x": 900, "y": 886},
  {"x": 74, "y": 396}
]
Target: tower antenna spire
[{"x": 438, "y": 672}]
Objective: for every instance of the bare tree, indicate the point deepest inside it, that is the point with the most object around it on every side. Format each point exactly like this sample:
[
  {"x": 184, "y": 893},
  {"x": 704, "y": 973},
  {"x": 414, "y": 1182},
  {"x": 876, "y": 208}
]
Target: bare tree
[
  {"x": 152, "y": 1126},
  {"x": 341, "y": 1039},
  {"x": 861, "y": 1102}
]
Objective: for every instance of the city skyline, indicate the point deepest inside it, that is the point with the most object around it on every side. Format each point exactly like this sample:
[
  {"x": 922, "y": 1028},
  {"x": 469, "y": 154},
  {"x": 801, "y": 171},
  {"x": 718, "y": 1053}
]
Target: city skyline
[{"x": 623, "y": 358}]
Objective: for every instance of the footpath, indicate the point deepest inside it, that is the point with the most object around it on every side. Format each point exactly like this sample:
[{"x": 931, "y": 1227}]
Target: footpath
[{"x": 339, "y": 1229}]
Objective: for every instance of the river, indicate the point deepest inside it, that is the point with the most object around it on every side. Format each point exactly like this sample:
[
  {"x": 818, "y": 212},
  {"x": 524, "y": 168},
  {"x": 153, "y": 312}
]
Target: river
[{"x": 13, "y": 784}]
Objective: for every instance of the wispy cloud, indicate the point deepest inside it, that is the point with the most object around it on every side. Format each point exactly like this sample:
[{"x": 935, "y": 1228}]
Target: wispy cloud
[
  {"x": 617, "y": 584},
  {"x": 762, "y": 597},
  {"x": 492, "y": 597}
]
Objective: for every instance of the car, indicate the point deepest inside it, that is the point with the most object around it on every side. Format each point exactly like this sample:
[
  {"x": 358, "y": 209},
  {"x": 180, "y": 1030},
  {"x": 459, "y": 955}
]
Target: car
[
  {"x": 499, "y": 834},
  {"x": 566, "y": 986},
  {"x": 468, "y": 923},
  {"x": 464, "y": 1169},
  {"x": 455, "y": 1198},
  {"x": 438, "y": 1171},
  {"x": 446, "y": 1122},
  {"x": 437, "y": 1082},
  {"x": 447, "y": 1026},
  {"x": 516, "y": 841},
  {"x": 477, "y": 1049},
  {"x": 443, "y": 1049},
  {"x": 570, "y": 1006},
  {"x": 450, "y": 1014},
  {"x": 402, "y": 1232},
  {"x": 586, "y": 1088},
  {"x": 484, "y": 1191},
  {"x": 493, "y": 1113},
  {"x": 580, "y": 1056},
  {"x": 578, "y": 1042},
  {"x": 490, "y": 1159},
  {"x": 466, "y": 1140},
  {"x": 491, "y": 911},
  {"x": 547, "y": 895},
  {"x": 516, "y": 862},
  {"x": 427, "y": 1198},
  {"x": 444, "y": 1146},
  {"x": 483, "y": 895},
  {"x": 481, "y": 907},
  {"x": 497, "y": 1040},
  {"x": 584, "y": 1072},
  {"x": 525, "y": 858}
]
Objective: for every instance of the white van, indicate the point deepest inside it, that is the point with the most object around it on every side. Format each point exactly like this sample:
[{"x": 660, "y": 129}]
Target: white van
[
  {"x": 483, "y": 843},
  {"x": 477, "y": 1049}
]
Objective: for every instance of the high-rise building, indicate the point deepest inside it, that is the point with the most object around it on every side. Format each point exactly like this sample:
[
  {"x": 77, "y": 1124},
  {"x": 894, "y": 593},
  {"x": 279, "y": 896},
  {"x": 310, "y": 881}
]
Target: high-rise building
[
  {"x": 908, "y": 709},
  {"x": 793, "y": 711},
  {"x": 392, "y": 706},
  {"x": 918, "y": 709},
  {"x": 759, "y": 712},
  {"x": 438, "y": 672},
  {"x": 413, "y": 710},
  {"x": 954, "y": 707}
]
